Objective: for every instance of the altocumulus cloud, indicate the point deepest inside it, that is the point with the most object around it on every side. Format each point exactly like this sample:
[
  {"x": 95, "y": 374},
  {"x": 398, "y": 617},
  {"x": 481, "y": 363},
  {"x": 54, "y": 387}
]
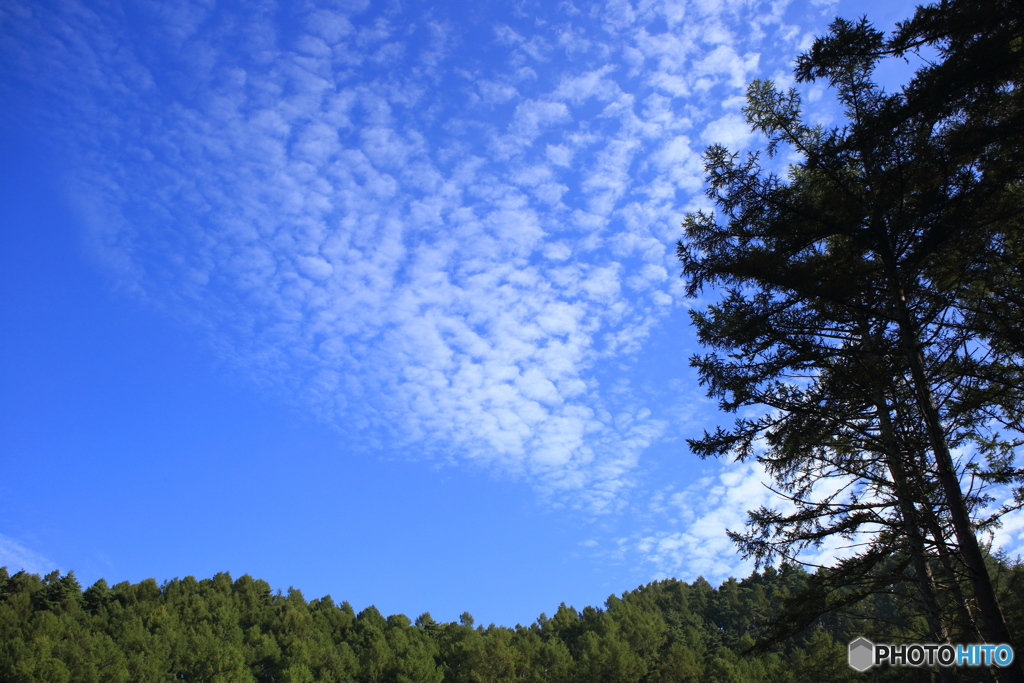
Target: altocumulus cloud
[{"x": 438, "y": 230}]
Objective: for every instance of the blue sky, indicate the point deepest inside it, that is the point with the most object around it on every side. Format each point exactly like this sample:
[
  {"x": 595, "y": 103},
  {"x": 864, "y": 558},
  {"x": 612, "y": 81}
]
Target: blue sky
[{"x": 373, "y": 299}]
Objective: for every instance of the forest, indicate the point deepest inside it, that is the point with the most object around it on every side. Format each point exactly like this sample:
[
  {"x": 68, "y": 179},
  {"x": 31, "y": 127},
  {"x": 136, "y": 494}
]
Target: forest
[{"x": 224, "y": 630}]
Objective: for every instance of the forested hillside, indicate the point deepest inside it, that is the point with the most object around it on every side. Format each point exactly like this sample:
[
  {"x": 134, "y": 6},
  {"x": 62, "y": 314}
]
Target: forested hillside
[{"x": 228, "y": 630}]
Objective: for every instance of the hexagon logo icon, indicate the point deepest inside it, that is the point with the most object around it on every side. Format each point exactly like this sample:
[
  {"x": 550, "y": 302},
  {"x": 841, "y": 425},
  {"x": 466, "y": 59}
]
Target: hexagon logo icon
[{"x": 862, "y": 654}]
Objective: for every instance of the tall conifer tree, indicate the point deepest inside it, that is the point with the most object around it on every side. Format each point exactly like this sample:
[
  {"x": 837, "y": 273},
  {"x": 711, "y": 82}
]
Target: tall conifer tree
[{"x": 852, "y": 303}]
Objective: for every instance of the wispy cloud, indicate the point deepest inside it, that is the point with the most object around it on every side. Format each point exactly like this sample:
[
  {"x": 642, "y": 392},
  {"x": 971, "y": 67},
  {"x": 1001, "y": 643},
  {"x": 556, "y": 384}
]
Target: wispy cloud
[
  {"x": 689, "y": 538},
  {"x": 17, "y": 557},
  {"x": 1008, "y": 536}
]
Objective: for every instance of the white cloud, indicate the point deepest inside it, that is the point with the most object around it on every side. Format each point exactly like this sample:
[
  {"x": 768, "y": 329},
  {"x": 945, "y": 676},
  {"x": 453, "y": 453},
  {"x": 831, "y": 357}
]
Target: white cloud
[
  {"x": 532, "y": 116},
  {"x": 697, "y": 517},
  {"x": 1009, "y": 537},
  {"x": 17, "y": 557},
  {"x": 560, "y": 155},
  {"x": 329, "y": 25},
  {"x": 731, "y": 130},
  {"x": 577, "y": 89},
  {"x": 496, "y": 93},
  {"x": 724, "y": 60}
]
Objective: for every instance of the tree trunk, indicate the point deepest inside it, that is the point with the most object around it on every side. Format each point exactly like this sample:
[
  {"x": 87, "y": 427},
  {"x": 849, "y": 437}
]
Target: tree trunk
[
  {"x": 911, "y": 527},
  {"x": 993, "y": 624}
]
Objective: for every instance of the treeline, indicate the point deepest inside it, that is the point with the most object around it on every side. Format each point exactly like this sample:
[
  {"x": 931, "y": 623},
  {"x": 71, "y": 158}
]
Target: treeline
[{"x": 221, "y": 630}]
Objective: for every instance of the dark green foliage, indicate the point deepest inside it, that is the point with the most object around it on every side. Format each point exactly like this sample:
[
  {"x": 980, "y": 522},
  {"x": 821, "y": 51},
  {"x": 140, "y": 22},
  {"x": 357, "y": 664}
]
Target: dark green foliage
[{"x": 222, "y": 631}]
